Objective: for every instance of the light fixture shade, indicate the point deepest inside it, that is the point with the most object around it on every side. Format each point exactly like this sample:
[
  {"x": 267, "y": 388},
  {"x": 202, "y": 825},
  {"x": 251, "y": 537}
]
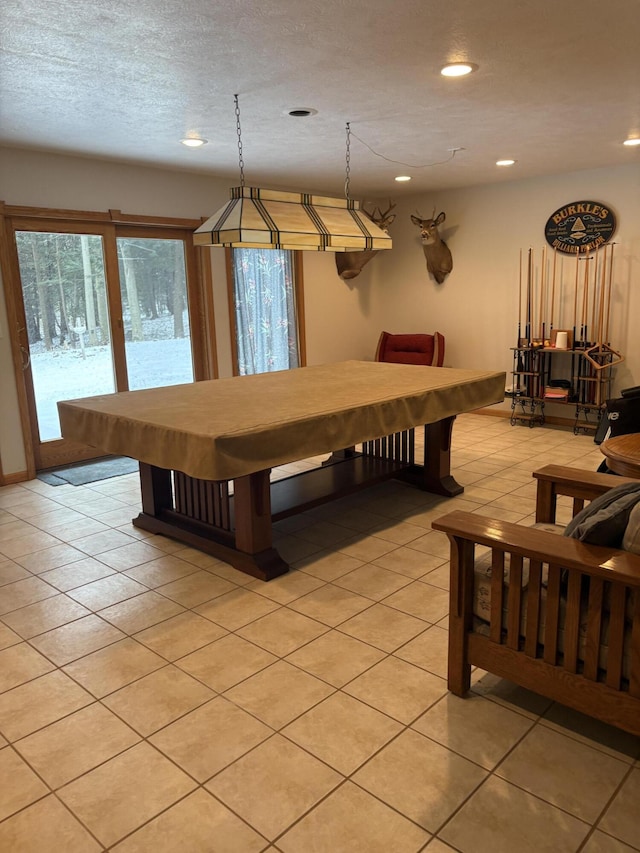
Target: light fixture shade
[{"x": 267, "y": 219}]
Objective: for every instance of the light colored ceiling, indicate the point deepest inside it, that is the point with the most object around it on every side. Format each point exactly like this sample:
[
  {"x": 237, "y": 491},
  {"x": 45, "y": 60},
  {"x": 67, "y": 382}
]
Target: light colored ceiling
[{"x": 557, "y": 89}]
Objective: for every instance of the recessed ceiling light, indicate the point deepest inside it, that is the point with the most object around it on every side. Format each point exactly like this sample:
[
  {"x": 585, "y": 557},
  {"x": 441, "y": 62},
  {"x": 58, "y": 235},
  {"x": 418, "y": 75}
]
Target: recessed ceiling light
[
  {"x": 402, "y": 178},
  {"x": 194, "y": 141},
  {"x": 632, "y": 141},
  {"x": 302, "y": 112},
  {"x": 458, "y": 69},
  {"x": 505, "y": 162}
]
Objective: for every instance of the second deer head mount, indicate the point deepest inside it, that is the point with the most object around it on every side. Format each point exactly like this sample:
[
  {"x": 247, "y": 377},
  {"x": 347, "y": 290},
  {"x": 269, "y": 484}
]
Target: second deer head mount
[
  {"x": 351, "y": 264},
  {"x": 436, "y": 251}
]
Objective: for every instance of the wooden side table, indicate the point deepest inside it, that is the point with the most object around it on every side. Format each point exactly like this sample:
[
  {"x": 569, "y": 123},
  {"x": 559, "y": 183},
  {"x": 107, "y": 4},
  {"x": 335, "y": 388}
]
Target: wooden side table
[{"x": 623, "y": 454}]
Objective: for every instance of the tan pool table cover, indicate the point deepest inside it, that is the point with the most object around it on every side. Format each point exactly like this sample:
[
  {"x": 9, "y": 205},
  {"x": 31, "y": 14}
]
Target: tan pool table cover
[{"x": 226, "y": 428}]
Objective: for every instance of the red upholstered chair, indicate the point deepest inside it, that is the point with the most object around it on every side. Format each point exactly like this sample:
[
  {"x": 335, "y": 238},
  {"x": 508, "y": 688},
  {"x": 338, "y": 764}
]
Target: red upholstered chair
[{"x": 411, "y": 349}]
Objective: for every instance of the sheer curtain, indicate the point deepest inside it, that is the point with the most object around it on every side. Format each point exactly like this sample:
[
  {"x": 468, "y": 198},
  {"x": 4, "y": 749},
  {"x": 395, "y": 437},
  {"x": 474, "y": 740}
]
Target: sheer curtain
[{"x": 265, "y": 310}]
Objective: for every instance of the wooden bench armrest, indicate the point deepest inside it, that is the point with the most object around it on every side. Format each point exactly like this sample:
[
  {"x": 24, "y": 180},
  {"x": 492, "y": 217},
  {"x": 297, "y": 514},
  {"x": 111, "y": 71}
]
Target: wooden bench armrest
[
  {"x": 610, "y": 564},
  {"x": 581, "y": 485},
  {"x": 573, "y": 479}
]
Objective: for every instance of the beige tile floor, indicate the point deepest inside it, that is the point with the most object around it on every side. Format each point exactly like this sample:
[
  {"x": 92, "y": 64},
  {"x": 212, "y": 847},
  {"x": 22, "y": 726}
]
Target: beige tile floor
[{"x": 155, "y": 699}]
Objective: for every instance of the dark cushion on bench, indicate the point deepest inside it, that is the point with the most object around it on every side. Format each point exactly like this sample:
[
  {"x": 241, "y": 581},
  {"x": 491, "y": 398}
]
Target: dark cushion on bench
[{"x": 605, "y": 519}]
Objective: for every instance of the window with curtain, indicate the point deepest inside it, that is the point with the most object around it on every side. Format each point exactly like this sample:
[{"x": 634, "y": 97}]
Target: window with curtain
[{"x": 266, "y": 310}]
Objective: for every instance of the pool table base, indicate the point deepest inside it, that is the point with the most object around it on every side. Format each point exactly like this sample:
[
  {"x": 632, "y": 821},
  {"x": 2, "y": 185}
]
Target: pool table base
[{"x": 236, "y": 525}]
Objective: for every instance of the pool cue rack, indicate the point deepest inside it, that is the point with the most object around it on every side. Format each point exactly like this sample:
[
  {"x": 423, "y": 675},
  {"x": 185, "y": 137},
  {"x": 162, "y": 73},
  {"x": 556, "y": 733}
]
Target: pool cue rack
[{"x": 563, "y": 356}]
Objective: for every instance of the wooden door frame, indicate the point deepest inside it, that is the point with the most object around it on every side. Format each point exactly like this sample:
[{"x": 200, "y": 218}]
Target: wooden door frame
[{"x": 109, "y": 225}]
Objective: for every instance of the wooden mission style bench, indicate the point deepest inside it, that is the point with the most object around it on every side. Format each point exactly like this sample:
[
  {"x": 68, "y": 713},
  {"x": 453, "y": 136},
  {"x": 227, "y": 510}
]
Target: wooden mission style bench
[{"x": 550, "y": 613}]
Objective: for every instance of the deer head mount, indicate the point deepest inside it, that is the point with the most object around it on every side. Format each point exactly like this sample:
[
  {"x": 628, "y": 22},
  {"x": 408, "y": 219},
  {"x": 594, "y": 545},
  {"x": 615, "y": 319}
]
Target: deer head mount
[
  {"x": 351, "y": 264},
  {"x": 436, "y": 251}
]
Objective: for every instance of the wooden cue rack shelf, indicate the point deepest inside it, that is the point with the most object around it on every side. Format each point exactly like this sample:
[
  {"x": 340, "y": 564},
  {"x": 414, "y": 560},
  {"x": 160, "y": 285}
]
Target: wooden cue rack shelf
[
  {"x": 560, "y": 377},
  {"x": 563, "y": 356}
]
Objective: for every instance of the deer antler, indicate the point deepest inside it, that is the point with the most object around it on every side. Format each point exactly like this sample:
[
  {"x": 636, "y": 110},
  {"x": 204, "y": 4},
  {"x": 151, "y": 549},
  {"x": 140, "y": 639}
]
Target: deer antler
[{"x": 376, "y": 215}]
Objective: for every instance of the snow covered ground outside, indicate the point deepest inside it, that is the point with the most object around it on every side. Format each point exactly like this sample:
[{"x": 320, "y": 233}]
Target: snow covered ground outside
[{"x": 70, "y": 374}]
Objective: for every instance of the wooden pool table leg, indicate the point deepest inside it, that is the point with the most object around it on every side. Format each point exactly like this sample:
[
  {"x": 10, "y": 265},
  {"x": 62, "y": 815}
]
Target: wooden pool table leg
[
  {"x": 253, "y": 525},
  {"x": 435, "y": 474},
  {"x": 248, "y": 546},
  {"x": 437, "y": 459},
  {"x": 252, "y": 501},
  {"x": 155, "y": 484}
]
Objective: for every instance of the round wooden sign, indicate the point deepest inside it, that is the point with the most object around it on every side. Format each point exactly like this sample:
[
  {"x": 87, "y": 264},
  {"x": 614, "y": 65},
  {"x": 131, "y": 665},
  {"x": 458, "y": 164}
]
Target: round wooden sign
[{"x": 580, "y": 227}]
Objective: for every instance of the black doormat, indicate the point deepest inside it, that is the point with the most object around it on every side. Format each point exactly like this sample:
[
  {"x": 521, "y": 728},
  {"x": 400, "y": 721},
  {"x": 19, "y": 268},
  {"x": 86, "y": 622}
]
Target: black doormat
[{"x": 89, "y": 472}]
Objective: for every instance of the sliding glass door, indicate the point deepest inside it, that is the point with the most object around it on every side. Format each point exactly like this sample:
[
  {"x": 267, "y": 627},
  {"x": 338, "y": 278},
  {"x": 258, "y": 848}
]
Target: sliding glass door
[
  {"x": 153, "y": 293},
  {"x": 103, "y": 309},
  {"x": 67, "y": 324}
]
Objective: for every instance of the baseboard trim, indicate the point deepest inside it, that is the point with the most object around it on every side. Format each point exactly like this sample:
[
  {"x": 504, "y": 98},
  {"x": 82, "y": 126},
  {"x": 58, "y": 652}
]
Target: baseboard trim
[
  {"x": 14, "y": 479},
  {"x": 506, "y": 413}
]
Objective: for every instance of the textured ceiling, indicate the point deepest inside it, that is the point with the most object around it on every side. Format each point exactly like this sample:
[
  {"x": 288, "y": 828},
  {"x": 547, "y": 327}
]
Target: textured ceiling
[{"x": 557, "y": 89}]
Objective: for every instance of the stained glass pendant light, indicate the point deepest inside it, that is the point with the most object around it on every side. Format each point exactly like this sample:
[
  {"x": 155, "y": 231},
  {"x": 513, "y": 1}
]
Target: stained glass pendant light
[{"x": 258, "y": 218}]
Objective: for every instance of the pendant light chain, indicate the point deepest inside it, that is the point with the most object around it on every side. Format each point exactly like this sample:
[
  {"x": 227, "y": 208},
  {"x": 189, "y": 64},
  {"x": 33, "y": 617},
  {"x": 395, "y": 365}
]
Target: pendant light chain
[
  {"x": 348, "y": 163},
  {"x": 240, "y": 160}
]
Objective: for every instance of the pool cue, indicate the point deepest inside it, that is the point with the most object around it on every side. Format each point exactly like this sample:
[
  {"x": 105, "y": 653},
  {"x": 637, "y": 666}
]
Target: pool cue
[
  {"x": 528, "y": 324},
  {"x": 519, "y": 298},
  {"x": 528, "y": 361},
  {"x": 585, "y": 303},
  {"x": 609, "y": 294},
  {"x": 544, "y": 287},
  {"x": 561, "y": 292},
  {"x": 519, "y": 361},
  {"x": 543, "y": 269},
  {"x": 594, "y": 324},
  {"x": 603, "y": 273},
  {"x": 553, "y": 289},
  {"x": 575, "y": 302}
]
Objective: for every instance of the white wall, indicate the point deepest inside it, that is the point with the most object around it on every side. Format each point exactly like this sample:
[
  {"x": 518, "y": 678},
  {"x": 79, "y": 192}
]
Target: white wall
[
  {"x": 339, "y": 320},
  {"x": 475, "y": 308}
]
